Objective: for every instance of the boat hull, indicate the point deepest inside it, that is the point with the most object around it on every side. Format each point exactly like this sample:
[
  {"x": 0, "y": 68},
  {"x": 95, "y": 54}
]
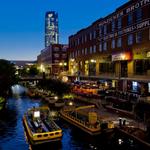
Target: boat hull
[
  {"x": 41, "y": 138},
  {"x": 80, "y": 125}
]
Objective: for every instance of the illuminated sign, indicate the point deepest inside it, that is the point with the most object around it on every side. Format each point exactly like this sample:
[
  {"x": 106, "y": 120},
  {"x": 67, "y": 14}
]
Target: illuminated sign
[
  {"x": 132, "y": 28},
  {"x": 121, "y": 56},
  {"x": 125, "y": 11}
]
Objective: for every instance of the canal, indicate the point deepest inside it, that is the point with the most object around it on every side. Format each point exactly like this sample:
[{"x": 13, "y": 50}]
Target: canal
[{"x": 12, "y": 135}]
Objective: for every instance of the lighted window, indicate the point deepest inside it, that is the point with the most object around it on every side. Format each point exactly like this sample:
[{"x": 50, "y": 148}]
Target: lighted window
[
  {"x": 119, "y": 42},
  {"x": 138, "y": 37},
  {"x": 130, "y": 39},
  {"x": 113, "y": 43}
]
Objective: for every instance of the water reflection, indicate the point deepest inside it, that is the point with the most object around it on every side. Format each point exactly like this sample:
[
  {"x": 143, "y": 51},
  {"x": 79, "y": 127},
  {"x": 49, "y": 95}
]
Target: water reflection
[{"x": 12, "y": 133}]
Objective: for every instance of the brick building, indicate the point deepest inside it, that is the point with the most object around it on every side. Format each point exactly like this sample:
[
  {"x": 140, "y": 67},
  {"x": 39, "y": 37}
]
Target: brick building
[
  {"x": 115, "y": 48},
  {"x": 53, "y": 59}
]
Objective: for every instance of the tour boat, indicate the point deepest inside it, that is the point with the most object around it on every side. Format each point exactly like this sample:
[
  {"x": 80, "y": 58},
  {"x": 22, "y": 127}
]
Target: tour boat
[
  {"x": 40, "y": 127},
  {"x": 89, "y": 124}
]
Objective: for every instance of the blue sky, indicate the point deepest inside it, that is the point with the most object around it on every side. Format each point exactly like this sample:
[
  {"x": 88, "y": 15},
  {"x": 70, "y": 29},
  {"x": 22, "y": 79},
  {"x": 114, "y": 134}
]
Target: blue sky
[{"x": 22, "y": 23}]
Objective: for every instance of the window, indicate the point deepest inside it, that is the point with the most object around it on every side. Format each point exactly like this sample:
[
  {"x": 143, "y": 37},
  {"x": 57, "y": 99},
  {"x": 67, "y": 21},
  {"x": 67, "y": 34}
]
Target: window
[
  {"x": 138, "y": 37},
  {"x": 90, "y": 36},
  {"x": 130, "y": 19},
  {"x": 149, "y": 33},
  {"x": 82, "y": 51},
  {"x": 85, "y": 51},
  {"x": 130, "y": 39},
  {"x": 56, "y": 49},
  {"x": 119, "y": 22},
  {"x": 113, "y": 43},
  {"x": 105, "y": 29},
  {"x": 90, "y": 49},
  {"x": 85, "y": 38},
  {"x": 78, "y": 41},
  {"x": 138, "y": 14},
  {"x": 113, "y": 26},
  {"x": 56, "y": 55},
  {"x": 94, "y": 48},
  {"x": 100, "y": 47},
  {"x": 100, "y": 31},
  {"x": 119, "y": 42},
  {"x": 105, "y": 46},
  {"x": 94, "y": 34},
  {"x": 72, "y": 54},
  {"x": 64, "y": 55},
  {"x": 76, "y": 53}
]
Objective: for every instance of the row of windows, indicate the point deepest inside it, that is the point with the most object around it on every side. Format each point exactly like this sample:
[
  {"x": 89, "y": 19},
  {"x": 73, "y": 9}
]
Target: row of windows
[
  {"x": 117, "y": 24},
  {"x": 132, "y": 17},
  {"x": 115, "y": 43},
  {"x": 84, "y": 38},
  {"x": 58, "y": 55}
]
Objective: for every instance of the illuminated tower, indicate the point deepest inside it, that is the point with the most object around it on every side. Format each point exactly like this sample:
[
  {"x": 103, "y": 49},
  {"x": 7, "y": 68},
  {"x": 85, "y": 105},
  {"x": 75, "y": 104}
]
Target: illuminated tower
[{"x": 51, "y": 28}]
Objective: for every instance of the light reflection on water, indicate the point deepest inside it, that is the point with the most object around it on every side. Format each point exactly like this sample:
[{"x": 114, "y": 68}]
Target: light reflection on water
[{"x": 12, "y": 132}]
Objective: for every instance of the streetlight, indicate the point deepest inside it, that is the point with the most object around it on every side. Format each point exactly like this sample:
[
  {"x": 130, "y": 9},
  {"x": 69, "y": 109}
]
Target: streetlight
[{"x": 63, "y": 64}]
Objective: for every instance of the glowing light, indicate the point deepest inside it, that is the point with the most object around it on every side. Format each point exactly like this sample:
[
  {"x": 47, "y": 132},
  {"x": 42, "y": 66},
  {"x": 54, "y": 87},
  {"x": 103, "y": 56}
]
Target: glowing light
[
  {"x": 93, "y": 61},
  {"x": 70, "y": 103},
  {"x": 60, "y": 64},
  {"x": 55, "y": 97}
]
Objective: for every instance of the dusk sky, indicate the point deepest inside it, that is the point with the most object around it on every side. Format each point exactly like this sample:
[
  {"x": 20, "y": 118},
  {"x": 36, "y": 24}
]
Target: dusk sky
[{"x": 22, "y": 23}]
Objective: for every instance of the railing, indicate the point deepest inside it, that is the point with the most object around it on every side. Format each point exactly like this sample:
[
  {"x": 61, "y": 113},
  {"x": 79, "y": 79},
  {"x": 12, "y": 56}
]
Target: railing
[{"x": 132, "y": 76}]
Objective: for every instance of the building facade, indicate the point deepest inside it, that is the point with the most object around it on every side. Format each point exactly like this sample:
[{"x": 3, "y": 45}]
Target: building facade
[
  {"x": 53, "y": 59},
  {"x": 116, "y": 48},
  {"x": 51, "y": 28}
]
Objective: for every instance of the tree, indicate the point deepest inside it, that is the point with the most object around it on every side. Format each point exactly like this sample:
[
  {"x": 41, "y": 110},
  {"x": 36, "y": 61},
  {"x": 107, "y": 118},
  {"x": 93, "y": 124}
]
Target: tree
[
  {"x": 33, "y": 70},
  {"x": 7, "y": 76},
  {"x": 56, "y": 86}
]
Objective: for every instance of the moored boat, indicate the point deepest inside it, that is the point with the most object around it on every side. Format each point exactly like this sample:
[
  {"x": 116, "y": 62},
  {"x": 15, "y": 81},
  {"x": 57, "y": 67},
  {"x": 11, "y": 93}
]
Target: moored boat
[
  {"x": 40, "y": 127},
  {"x": 89, "y": 124}
]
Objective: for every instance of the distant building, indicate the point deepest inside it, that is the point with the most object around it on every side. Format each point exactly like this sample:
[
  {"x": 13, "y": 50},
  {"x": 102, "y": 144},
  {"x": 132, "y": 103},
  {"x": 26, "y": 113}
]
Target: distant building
[
  {"x": 20, "y": 64},
  {"x": 51, "y": 28},
  {"x": 53, "y": 59}
]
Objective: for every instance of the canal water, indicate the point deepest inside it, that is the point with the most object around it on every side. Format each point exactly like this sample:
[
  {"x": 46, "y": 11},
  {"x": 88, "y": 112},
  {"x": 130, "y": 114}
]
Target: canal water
[{"x": 12, "y": 135}]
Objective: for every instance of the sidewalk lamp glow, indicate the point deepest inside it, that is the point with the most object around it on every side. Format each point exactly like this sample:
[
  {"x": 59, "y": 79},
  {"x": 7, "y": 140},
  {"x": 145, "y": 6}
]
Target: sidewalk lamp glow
[
  {"x": 60, "y": 64},
  {"x": 56, "y": 98},
  {"x": 93, "y": 61},
  {"x": 70, "y": 103},
  {"x": 65, "y": 64}
]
